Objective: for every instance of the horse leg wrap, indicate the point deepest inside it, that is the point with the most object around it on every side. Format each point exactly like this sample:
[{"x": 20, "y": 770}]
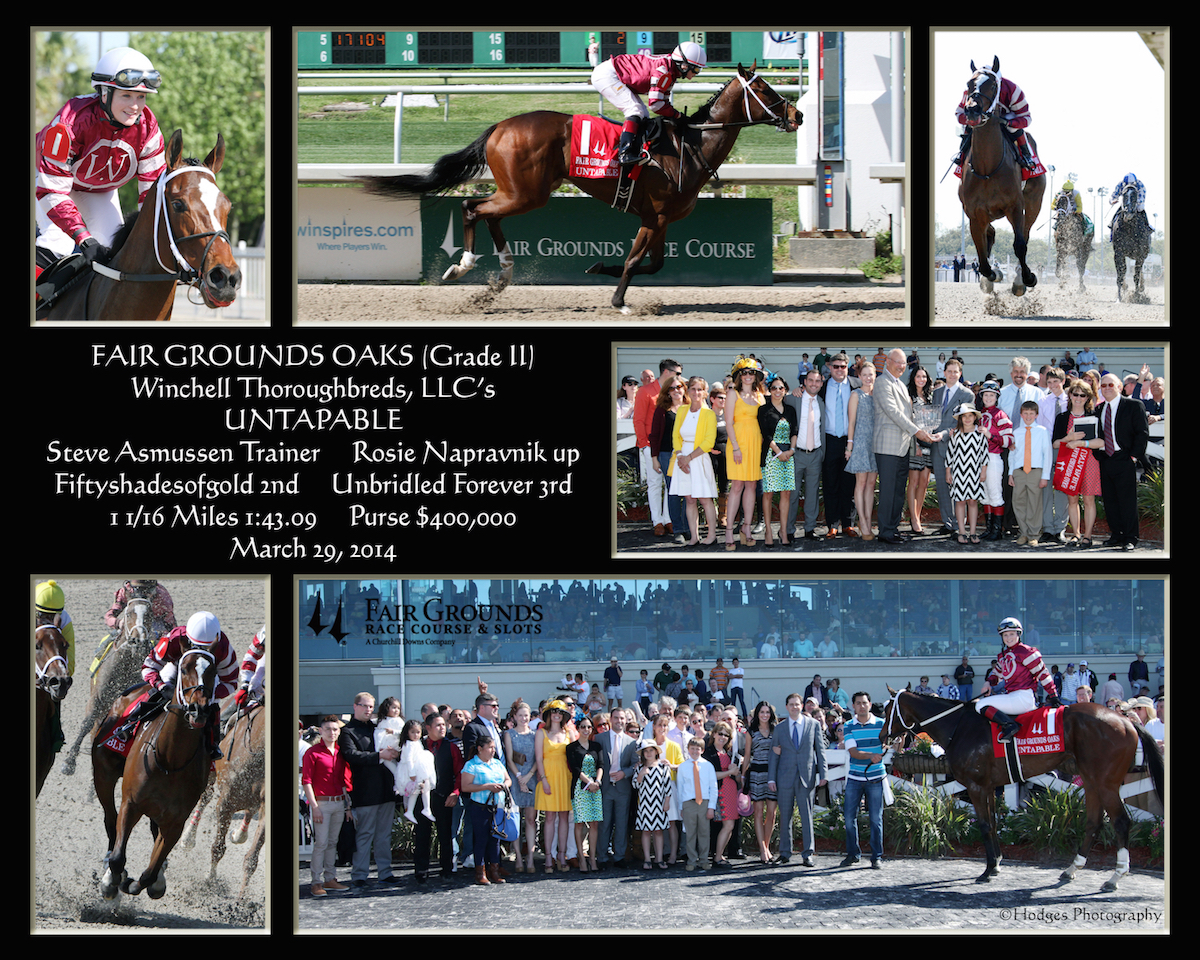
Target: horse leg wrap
[
  {"x": 506, "y": 263},
  {"x": 467, "y": 260},
  {"x": 1123, "y": 861}
]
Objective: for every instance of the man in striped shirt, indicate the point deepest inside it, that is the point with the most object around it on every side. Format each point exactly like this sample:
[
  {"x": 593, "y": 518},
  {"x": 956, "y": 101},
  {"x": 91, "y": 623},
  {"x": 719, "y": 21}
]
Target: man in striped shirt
[{"x": 863, "y": 740}]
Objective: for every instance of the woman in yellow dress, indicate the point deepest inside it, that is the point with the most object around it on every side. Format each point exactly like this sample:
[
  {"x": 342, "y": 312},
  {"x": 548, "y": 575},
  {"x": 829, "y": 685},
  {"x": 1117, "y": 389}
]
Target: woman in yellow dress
[
  {"x": 742, "y": 452},
  {"x": 553, "y": 793}
]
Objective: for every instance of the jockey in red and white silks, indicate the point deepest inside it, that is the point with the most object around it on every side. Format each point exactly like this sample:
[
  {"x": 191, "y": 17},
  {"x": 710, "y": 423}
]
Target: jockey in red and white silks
[
  {"x": 1021, "y": 668},
  {"x": 252, "y": 673},
  {"x": 622, "y": 78},
  {"x": 95, "y": 144},
  {"x": 1010, "y": 107}
]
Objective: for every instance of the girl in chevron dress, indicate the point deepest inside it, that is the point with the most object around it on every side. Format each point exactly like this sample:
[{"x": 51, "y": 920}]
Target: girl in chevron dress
[
  {"x": 653, "y": 783},
  {"x": 966, "y": 469}
]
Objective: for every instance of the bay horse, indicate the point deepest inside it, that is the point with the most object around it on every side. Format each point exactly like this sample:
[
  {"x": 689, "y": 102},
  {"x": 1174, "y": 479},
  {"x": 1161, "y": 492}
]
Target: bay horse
[
  {"x": 1131, "y": 241},
  {"x": 1102, "y": 742},
  {"x": 161, "y": 245},
  {"x": 992, "y": 186},
  {"x": 120, "y": 668},
  {"x": 51, "y": 685},
  {"x": 240, "y": 783},
  {"x": 529, "y": 157},
  {"x": 1071, "y": 240},
  {"x": 162, "y": 777}
]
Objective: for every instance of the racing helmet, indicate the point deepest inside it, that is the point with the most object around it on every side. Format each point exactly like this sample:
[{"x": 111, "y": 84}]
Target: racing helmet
[
  {"x": 126, "y": 69},
  {"x": 1010, "y": 623},
  {"x": 203, "y": 629},
  {"x": 48, "y": 597},
  {"x": 690, "y": 55}
]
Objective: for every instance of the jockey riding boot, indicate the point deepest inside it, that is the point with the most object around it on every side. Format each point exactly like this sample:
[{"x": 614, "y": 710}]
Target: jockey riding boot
[
  {"x": 212, "y": 731},
  {"x": 629, "y": 148},
  {"x": 1008, "y": 726},
  {"x": 145, "y": 710},
  {"x": 1023, "y": 152},
  {"x": 963, "y": 147}
]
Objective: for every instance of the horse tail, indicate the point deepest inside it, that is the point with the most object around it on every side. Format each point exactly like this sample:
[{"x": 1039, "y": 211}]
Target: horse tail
[
  {"x": 1154, "y": 760},
  {"x": 450, "y": 171}
]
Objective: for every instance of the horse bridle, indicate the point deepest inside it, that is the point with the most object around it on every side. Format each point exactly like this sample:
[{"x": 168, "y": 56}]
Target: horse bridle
[
  {"x": 53, "y": 684},
  {"x": 894, "y": 710},
  {"x": 985, "y": 115},
  {"x": 779, "y": 122},
  {"x": 186, "y": 273},
  {"x": 189, "y": 711}
]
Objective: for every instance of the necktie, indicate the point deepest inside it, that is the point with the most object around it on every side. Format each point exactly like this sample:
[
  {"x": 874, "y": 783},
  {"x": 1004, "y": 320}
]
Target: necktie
[
  {"x": 696, "y": 781},
  {"x": 837, "y": 416},
  {"x": 1110, "y": 446},
  {"x": 796, "y": 734},
  {"x": 1028, "y": 448},
  {"x": 812, "y": 418}
]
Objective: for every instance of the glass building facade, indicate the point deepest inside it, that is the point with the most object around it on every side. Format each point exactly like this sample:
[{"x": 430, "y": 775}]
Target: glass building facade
[{"x": 480, "y": 621}]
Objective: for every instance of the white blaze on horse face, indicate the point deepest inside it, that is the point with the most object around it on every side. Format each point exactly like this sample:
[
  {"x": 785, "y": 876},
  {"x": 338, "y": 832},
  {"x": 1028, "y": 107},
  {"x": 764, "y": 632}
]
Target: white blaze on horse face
[{"x": 210, "y": 194}]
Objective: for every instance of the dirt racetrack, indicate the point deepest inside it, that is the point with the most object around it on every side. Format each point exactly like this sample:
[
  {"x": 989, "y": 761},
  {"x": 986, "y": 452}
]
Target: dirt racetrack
[
  {"x": 862, "y": 302},
  {"x": 70, "y": 840},
  {"x": 965, "y": 302}
]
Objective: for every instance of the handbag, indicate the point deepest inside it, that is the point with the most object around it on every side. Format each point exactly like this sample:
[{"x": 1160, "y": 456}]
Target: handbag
[{"x": 506, "y": 824}]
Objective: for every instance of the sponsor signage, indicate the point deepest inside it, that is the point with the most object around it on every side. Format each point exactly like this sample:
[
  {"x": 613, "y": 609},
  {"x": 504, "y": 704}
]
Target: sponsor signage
[
  {"x": 722, "y": 242},
  {"x": 344, "y": 234}
]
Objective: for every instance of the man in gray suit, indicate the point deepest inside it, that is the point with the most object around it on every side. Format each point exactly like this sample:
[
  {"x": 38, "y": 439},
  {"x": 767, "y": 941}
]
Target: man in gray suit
[
  {"x": 618, "y": 758},
  {"x": 795, "y": 768},
  {"x": 809, "y": 455},
  {"x": 839, "y": 485},
  {"x": 894, "y": 431},
  {"x": 947, "y": 399}
]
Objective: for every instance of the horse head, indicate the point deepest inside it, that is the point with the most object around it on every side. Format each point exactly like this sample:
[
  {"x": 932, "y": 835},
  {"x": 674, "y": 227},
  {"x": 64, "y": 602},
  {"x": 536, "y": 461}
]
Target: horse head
[
  {"x": 763, "y": 105},
  {"x": 194, "y": 687},
  {"x": 136, "y": 626},
  {"x": 983, "y": 93},
  {"x": 194, "y": 208},
  {"x": 50, "y": 649}
]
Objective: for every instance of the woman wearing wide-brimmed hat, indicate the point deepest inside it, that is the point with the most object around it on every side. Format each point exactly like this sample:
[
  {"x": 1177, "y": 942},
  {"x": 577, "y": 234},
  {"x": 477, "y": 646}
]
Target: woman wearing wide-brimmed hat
[
  {"x": 553, "y": 793},
  {"x": 966, "y": 469}
]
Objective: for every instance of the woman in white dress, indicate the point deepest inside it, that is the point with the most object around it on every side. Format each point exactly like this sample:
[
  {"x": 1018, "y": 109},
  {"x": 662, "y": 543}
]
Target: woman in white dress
[{"x": 692, "y": 471}]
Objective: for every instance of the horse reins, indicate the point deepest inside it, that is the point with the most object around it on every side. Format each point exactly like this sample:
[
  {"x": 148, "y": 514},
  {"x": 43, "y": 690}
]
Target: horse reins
[
  {"x": 179, "y": 709},
  {"x": 780, "y": 122},
  {"x": 914, "y": 727},
  {"x": 186, "y": 273}
]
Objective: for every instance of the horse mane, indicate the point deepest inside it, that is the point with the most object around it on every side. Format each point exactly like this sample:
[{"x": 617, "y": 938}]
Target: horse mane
[{"x": 703, "y": 113}]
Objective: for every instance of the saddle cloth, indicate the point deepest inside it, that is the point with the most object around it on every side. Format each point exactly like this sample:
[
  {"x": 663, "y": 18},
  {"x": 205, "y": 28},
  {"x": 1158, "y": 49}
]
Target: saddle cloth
[
  {"x": 1037, "y": 171},
  {"x": 1041, "y": 732},
  {"x": 594, "y": 143},
  {"x": 110, "y": 739}
]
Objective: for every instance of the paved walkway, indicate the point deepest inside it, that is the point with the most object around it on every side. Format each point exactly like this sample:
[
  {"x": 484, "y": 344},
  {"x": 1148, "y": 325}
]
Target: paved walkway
[{"x": 906, "y": 894}]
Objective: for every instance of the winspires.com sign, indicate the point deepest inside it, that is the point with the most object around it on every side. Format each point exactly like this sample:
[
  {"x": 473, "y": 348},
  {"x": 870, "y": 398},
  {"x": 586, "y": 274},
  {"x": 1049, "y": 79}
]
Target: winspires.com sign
[{"x": 722, "y": 242}]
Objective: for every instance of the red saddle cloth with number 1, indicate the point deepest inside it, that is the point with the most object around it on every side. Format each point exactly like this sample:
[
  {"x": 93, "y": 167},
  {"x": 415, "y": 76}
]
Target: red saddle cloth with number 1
[
  {"x": 1041, "y": 732},
  {"x": 594, "y": 147}
]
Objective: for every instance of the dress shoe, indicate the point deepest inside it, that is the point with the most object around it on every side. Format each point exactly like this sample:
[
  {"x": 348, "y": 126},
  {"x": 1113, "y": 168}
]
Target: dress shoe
[
  {"x": 807, "y": 862},
  {"x": 317, "y": 890},
  {"x": 658, "y": 529},
  {"x": 334, "y": 885},
  {"x": 781, "y": 860},
  {"x": 894, "y": 539},
  {"x": 850, "y": 861},
  {"x": 832, "y": 534},
  {"x": 811, "y": 535},
  {"x": 851, "y": 532},
  {"x": 876, "y": 863}
]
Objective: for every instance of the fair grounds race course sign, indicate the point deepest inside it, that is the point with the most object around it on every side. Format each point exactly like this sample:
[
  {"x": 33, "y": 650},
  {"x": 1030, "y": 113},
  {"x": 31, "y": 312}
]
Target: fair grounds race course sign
[{"x": 344, "y": 235}]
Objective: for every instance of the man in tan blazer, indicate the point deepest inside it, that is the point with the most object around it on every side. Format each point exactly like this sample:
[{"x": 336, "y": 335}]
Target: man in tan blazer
[{"x": 894, "y": 431}]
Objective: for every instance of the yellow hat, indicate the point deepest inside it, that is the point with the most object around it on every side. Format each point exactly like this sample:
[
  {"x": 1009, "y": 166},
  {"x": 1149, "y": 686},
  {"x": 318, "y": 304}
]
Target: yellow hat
[{"x": 48, "y": 597}]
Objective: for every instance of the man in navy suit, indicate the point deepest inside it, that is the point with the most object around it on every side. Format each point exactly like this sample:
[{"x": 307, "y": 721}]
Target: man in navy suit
[
  {"x": 795, "y": 768},
  {"x": 618, "y": 756},
  {"x": 1121, "y": 442}
]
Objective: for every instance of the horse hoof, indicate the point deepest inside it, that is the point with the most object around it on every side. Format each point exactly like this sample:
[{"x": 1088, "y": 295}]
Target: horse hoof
[
  {"x": 1018, "y": 290},
  {"x": 1109, "y": 887},
  {"x": 1066, "y": 876},
  {"x": 67, "y": 768},
  {"x": 595, "y": 267}
]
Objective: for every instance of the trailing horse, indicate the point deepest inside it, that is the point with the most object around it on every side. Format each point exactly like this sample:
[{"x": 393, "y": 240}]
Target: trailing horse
[
  {"x": 240, "y": 783},
  {"x": 1131, "y": 241},
  {"x": 159, "y": 246},
  {"x": 51, "y": 685},
  {"x": 162, "y": 774},
  {"x": 530, "y": 155},
  {"x": 119, "y": 667},
  {"x": 1102, "y": 742},
  {"x": 1072, "y": 237},
  {"x": 992, "y": 186}
]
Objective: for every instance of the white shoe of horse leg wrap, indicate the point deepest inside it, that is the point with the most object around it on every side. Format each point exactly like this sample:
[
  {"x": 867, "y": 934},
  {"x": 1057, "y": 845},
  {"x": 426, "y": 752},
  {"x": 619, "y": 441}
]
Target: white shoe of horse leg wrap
[
  {"x": 1079, "y": 861},
  {"x": 506, "y": 257},
  {"x": 1123, "y": 860},
  {"x": 467, "y": 261}
]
